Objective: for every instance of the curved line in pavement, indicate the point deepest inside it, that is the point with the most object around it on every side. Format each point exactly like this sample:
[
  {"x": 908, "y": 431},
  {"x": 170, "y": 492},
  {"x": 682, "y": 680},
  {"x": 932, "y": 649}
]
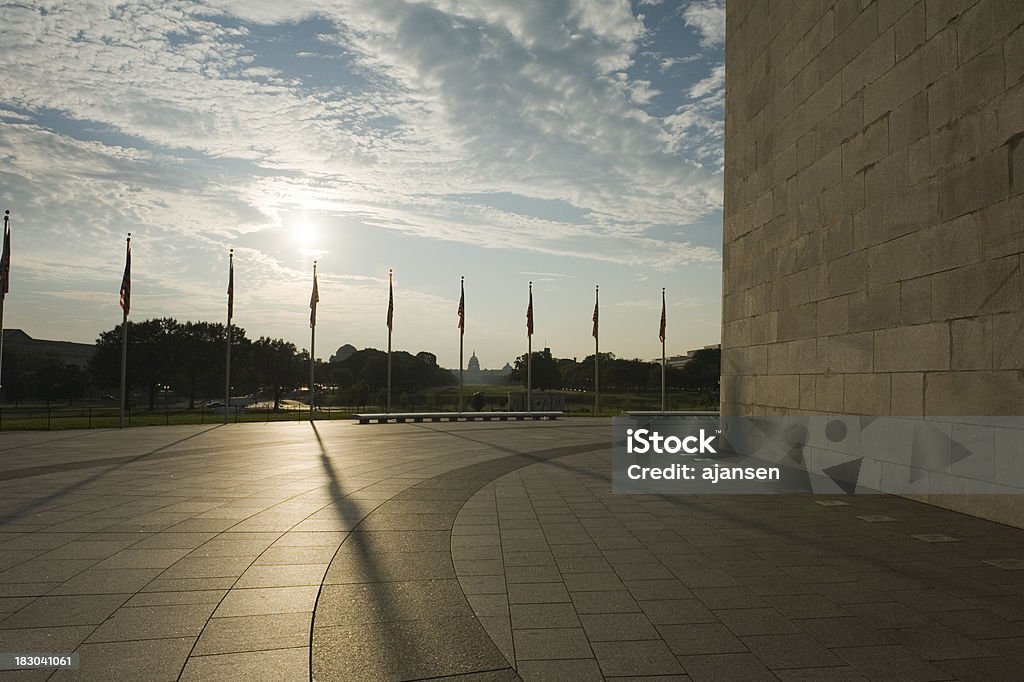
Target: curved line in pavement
[{"x": 390, "y": 605}]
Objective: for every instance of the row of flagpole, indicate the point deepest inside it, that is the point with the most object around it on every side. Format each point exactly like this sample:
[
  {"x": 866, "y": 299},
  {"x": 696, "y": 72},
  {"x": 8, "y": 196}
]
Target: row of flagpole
[{"x": 125, "y": 302}]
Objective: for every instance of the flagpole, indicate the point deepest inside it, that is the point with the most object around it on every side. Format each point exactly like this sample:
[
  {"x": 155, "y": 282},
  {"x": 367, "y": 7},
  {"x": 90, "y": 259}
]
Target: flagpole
[
  {"x": 3, "y": 292},
  {"x": 529, "y": 357},
  {"x": 227, "y": 361},
  {"x": 597, "y": 291},
  {"x": 124, "y": 329},
  {"x": 462, "y": 331},
  {"x": 663, "y": 352},
  {"x": 391, "y": 300},
  {"x": 312, "y": 341}
]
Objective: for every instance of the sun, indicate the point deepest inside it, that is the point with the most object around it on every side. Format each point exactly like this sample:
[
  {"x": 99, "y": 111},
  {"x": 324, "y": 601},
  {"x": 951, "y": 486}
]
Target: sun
[{"x": 304, "y": 233}]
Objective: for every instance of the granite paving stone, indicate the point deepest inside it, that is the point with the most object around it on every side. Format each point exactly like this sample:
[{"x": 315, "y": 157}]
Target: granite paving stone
[
  {"x": 474, "y": 552},
  {"x": 621, "y": 659}
]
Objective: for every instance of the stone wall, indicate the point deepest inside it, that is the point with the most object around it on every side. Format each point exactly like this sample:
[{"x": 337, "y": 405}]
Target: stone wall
[{"x": 874, "y": 216}]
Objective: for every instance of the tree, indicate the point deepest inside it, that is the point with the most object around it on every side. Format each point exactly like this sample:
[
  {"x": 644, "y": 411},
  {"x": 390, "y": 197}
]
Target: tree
[
  {"x": 544, "y": 373},
  {"x": 277, "y": 365},
  {"x": 151, "y": 346}
]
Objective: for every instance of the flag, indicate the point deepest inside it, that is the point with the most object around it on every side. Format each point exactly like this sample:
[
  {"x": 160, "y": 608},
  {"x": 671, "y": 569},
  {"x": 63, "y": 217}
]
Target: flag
[
  {"x": 529, "y": 314},
  {"x": 126, "y": 280},
  {"x": 594, "y": 333},
  {"x": 661, "y": 330},
  {"x": 5, "y": 260},
  {"x": 313, "y": 300},
  {"x": 391, "y": 300},
  {"x": 231, "y": 288},
  {"x": 462, "y": 309}
]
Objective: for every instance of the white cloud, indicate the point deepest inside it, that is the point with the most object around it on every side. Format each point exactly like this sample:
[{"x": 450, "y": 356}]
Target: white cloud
[
  {"x": 707, "y": 17},
  {"x": 168, "y": 118}
]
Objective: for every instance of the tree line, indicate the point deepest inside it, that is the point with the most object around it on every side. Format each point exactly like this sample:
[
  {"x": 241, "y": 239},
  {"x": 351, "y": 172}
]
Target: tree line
[
  {"x": 619, "y": 375},
  {"x": 187, "y": 359}
]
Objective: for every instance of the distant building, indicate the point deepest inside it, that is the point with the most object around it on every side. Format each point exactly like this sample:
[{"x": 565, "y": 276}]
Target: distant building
[
  {"x": 679, "y": 361},
  {"x": 70, "y": 353},
  {"x": 344, "y": 353},
  {"x": 473, "y": 374}
]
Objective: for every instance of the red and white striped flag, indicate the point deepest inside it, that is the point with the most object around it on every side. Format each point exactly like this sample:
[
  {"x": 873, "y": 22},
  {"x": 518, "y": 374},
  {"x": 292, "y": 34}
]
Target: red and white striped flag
[
  {"x": 661, "y": 329},
  {"x": 5, "y": 259},
  {"x": 314, "y": 298},
  {"x": 391, "y": 300},
  {"x": 462, "y": 308},
  {"x": 529, "y": 313},
  {"x": 126, "y": 280},
  {"x": 231, "y": 286}
]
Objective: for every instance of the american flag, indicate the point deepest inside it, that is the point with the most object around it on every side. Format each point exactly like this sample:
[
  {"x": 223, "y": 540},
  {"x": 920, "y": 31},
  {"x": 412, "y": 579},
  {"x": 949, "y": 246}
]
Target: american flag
[
  {"x": 462, "y": 308},
  {"x": 313, "y": 300},
  {"x": 529, "y": 313},
  {"x": 126, "y": 280},
  {"x": 391, "y": 300},
  {"x": 661, "y": 330}
]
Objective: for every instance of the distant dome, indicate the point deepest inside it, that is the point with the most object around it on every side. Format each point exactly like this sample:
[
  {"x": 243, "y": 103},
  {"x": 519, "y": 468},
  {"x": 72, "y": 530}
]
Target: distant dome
[
  {"x": 344, "y": 353},
  {"x": 474, "y": 363}
]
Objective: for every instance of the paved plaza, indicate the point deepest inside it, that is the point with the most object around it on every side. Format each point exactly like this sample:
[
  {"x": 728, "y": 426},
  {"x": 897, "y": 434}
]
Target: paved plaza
[{"x": 472, "y": 551}]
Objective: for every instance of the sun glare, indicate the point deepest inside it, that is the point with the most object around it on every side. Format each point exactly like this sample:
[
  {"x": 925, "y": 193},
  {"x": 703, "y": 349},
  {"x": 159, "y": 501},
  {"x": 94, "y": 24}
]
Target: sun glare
[{"x": 304, "y": 233}]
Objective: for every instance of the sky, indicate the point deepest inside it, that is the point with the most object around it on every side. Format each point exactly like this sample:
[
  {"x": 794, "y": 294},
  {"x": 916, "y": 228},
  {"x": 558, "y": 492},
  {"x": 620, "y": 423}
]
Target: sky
[{"x": 569, "y": 143}]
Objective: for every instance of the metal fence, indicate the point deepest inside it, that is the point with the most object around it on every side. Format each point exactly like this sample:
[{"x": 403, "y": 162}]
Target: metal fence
[{"x": 46, "y": 418}]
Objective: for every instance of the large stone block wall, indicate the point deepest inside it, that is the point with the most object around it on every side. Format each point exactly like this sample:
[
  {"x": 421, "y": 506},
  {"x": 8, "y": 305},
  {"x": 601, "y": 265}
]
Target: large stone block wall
[{"x": 874, "y": 214}]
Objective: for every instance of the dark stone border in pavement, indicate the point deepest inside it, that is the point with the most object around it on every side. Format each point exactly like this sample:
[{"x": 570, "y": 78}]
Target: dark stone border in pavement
[
  {"x": 390, "y": 606},
  {"x": 160, "y": 452}
]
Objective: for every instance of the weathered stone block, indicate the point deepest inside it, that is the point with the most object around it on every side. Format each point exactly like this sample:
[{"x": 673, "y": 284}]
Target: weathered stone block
[
  {"x": 866, "y": 67},
  {"x": 1008, "y": 340},
  {"x": 839, "y": 238},
  {"x": 867, "y": 394},
  {"x": 875, "y": 308},
  {"x": 828, "y": 391},
  {"x": 1001, "y": 227},
  {"x": 847, "y": 274},
  {"x": 907, "y": 394},
  {"x": 922, "y": 67},
  {"x": 1010, "y": 113},
  {"x": 866, "y": 148},
  {"x": 910, "y": 30},
  {"x": 889, "y": 181},
  {"x": 850, "y": 40},
  {"x": 934, "y": 248},
  {"x": 997, "y": 392},
  {"x": 974, "y": 185},
  {"x": 908, "y": 122},
  {"x": 779, "y": 391},
  {"x": 941, "y": 13},
  {"x": 797, "y": 322},
  {"x": 985, "y": 24},
  {"x": 892, "y": 10},
  {"x": 842, "y": 125},
  {"x": 851, "y": 352},
  {"x": 749, "y": 360},
  {"x": 917, "y": 348},
  {"x": 808, "y": 400},
  {"x": 916, "y": 301},
  {"x": 867, "y": 225},
  {"x": 833, "y": 316},
  {"x": 1013, "y": 51},
  {"x": 972, "y": 343},
  {"x": 970, "y": 86},
  {"x": 989, "y": 287},
  {"x": 795, "y": 357},
  {"x": 765, "y": 328}
]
